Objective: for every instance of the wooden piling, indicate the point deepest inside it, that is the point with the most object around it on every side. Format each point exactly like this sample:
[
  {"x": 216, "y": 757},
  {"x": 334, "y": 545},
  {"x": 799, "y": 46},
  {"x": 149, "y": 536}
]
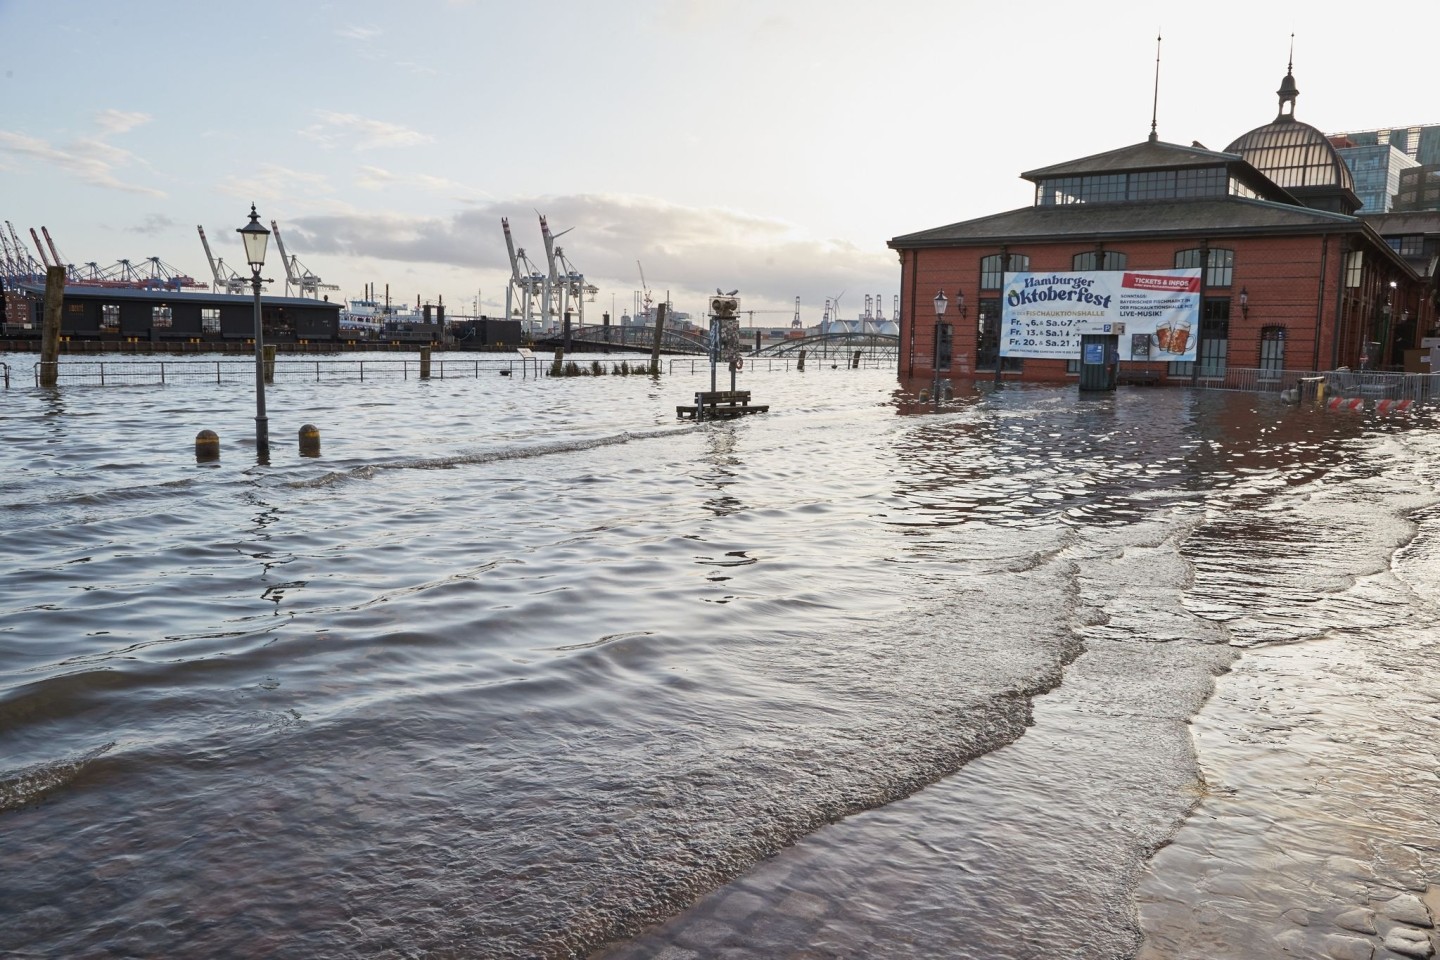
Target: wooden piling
[
  {"x": 424, "y": 363},
  {"x": 50, "y": 327},
  {"x": 269, "y": 350},
  {"x": 659, "y": 335}
]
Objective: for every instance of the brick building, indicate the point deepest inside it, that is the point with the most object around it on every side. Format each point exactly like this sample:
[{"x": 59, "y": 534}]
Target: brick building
[{"x": 1291, "y": 278}]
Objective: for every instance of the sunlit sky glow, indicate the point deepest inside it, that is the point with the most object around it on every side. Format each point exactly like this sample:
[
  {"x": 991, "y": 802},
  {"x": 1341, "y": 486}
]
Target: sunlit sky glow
[{"x": 772, "y": 146}]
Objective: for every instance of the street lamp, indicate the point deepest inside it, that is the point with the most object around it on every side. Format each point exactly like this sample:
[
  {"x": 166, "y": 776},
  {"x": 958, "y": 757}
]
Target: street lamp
[
  {"x": 256, "y": 237},
  {"x": 940, "y": 304}
]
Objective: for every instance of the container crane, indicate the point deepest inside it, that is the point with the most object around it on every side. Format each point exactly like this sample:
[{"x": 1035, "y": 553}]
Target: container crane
[
  {"x": 41, "y": 247},
  {"x": 527, "y": 283},
  {"x": 564, "y": 281},
  {"x": 59, "y": 260},
  {"x": 296, "y": 274},
  {"x": 225, "y": 277}
]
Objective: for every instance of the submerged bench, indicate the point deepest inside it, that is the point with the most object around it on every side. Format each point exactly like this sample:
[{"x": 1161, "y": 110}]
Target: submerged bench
[{"x": 720, "y": 404}]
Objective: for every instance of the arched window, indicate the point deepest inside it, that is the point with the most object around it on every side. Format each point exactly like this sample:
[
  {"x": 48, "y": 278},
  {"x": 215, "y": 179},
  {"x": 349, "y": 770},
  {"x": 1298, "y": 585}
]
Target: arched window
[
  {"x": 992, "y": 271},
  {"x": 1099, "y": 260},
  {"x": 1219, "y": 272}
]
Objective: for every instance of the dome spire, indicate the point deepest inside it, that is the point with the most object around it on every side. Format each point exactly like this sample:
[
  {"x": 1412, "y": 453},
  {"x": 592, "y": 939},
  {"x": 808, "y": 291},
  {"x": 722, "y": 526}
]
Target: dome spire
[
  {"x": 1155, "y": 105},
  {"x": 1288, "y": 90}
]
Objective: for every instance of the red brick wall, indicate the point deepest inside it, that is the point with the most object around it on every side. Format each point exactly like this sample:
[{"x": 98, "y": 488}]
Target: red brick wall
[{"x": 1292, "y": 282}]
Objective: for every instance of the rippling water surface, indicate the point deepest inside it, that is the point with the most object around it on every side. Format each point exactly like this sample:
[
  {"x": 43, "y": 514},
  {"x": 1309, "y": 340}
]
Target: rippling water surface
[{"x": 522, "y": 668}]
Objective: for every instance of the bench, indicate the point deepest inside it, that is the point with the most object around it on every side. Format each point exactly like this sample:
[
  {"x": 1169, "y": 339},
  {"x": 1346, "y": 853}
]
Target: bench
[
  {"x": 720, "y": 404},
  {"x": 1138, "y": 378}
]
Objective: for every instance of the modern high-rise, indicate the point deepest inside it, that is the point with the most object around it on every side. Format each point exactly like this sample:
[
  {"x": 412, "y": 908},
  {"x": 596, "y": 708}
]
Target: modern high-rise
[{"x": 1376, "y": 170}]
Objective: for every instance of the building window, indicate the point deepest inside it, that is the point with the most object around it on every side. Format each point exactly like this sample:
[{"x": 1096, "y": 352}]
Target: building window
[
  {"x": 110, "y": 317},
  {"x": 1138, "y": 186},
  {"x": 1272, "y": 352},
  {"x": 1354, "y": 267},
  {"x": 992, "y": 271},
  {"x": 160, "y": 316},
  {"x": 1408, "y": 246},
  {"x": 1219, "y": 271},
  {"x": 209, "y": 319},
  {"x": 75, "y": 308},
  {"x": 1099, "y": 260},
  {"x": 1214, "y": 340}
]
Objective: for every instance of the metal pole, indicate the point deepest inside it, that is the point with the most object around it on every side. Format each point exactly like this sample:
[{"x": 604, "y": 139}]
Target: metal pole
[
  {"x": 935, "y": 388},
  {"x": 262, "y": 422}
]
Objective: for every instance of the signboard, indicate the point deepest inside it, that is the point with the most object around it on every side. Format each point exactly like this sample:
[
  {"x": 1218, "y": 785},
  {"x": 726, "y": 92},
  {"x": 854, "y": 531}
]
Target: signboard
[
  {"x": 726, "y": 334},
  {"x": 1157, "y": 311}
]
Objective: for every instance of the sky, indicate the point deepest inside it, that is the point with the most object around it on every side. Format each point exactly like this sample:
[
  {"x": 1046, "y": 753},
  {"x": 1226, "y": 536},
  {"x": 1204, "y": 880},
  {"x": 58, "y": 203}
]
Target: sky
[{"x": 772, "y": 147}]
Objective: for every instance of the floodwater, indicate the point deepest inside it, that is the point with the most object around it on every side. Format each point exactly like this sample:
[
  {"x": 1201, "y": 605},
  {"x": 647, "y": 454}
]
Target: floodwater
[{"x": 527, "y": 668}]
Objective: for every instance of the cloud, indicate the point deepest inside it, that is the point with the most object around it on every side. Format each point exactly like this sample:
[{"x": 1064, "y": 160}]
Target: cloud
[
  {"x": 273, "y": 182},
  {"x": 90, "y": 159},
  {"x": 377, "y": 178},
  {"x": 362, "y": 133},
  {"x": 685, "y": 250},
  {"x": 358, "y": 33},
  {"x": 156, "y": 224}
]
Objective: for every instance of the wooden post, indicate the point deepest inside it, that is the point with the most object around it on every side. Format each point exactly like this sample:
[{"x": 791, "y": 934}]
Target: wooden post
[
  {"x": 659, "y": 334},
  {"x": 269, "y": 351},
  {"x": 50, "y": 327},
  {"x": 424, "y": 363}
]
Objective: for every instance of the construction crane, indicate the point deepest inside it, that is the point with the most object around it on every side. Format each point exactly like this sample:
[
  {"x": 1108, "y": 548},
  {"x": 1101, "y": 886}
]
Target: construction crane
[
  {"x": 645, "y": 292},
  {"x": 225, "y": 278},
  {"x": 296, "y": 274}
]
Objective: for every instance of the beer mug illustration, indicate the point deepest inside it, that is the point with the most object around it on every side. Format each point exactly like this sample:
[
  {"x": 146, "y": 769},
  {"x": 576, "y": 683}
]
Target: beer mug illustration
[
  {"x": 1162, "y": 336},
  {"x": 1180, "y": 336}
]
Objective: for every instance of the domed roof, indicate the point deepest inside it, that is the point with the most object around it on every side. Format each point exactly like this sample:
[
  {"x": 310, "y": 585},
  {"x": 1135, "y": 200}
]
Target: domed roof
[{"x": 1291, "y": 153}]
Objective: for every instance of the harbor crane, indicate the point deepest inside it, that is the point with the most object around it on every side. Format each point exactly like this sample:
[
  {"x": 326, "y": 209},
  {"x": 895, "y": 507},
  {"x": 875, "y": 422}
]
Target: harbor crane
[
  {"x": 526, "y": 284},
  {"x": 41, "y": 247},
  {"x": 20, "y": 265},
  {"x": 296, "y": 274},
  {"x": 225, "y": 278},
  {"x": 563, "y": 282}
]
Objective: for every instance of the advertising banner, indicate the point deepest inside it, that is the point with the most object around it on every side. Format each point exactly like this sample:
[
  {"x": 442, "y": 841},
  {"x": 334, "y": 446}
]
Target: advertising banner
[{"x": 1155, "y": 313}]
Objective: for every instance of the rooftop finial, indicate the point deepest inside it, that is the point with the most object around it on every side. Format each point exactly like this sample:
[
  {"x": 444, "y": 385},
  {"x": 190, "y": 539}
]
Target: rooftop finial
[
  {"x": 1155, "y": 105},
  {"x": 1288, "y": 90}
]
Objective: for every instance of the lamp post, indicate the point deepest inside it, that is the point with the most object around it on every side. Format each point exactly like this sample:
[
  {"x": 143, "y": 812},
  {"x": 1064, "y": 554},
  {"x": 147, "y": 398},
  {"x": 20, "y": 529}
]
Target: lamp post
[
  {"x": 256, "y": 237},
  {"x": 940, "y": 304}
]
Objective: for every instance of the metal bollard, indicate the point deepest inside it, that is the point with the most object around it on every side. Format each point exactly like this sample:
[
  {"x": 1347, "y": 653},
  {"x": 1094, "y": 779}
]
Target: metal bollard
[
  {"x": 309, "y": 440},
  {"x": 207, "y": 446}
]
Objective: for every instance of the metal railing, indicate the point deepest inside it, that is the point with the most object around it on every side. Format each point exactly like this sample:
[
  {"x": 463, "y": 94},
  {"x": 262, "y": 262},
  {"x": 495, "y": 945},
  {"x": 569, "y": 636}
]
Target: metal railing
[
  {"x": 161, "y": 372},
  {"x": 1374, "y": 385},
  {"x": 784, "y": 364},
  {"x": 5, "y": 369},
  {"x": 1252, "y": 379},
  {"x": 1348, "y": 384}
]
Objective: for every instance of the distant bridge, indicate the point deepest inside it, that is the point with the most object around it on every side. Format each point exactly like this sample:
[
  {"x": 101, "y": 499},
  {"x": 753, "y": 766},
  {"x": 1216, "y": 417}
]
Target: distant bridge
[
  {"x": 593, "y": 338},
  {"x": 872, "y": 345},
  {"x": 598, "y": 338}
]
